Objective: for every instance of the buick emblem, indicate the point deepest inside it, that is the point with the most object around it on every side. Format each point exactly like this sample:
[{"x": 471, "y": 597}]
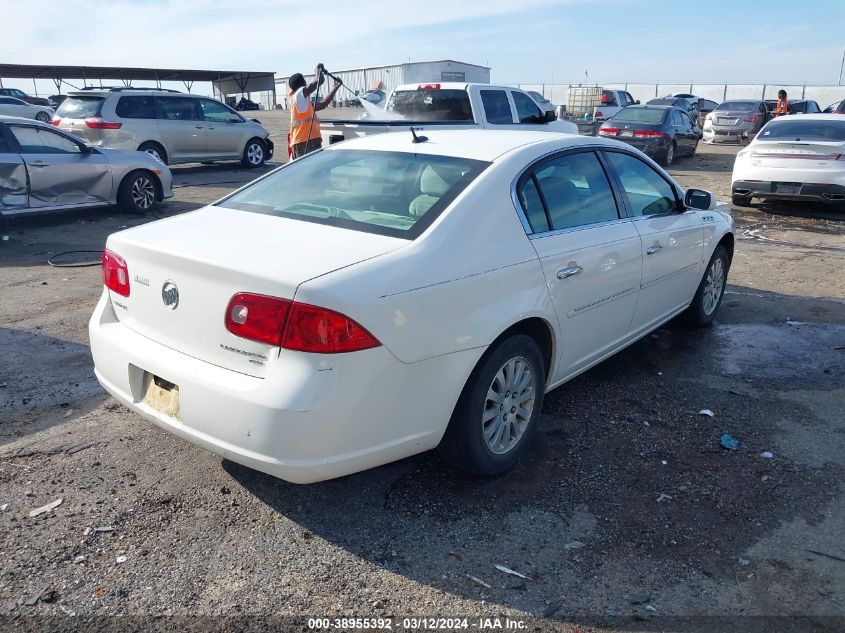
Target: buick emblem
[{"x": 170, "y": 295}]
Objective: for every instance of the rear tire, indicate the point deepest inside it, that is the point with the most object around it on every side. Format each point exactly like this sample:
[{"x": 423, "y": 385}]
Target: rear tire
[
  {"x": 496, "y": 415},
  {"x": 710, "y": 291},
  {"x": 153, "y": 148},
  {"x": 138, "y": 192},
  {"x": 255, "y": 153},
  {"x": 44, "y": 117},
  {"x": 739, "y": 200}
]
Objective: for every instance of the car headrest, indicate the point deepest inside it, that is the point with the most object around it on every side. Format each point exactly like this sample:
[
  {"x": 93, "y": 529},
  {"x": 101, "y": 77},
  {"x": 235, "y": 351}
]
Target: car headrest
[{"x": 436, "y": 180}]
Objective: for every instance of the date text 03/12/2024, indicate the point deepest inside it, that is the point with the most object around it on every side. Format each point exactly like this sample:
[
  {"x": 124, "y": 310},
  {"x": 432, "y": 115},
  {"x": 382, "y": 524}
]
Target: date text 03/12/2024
[{"x": 416, "y": 624}]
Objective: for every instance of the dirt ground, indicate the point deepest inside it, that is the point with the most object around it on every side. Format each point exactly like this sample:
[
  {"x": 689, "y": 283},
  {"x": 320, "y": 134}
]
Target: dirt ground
[{"x": 626, "y": 514}]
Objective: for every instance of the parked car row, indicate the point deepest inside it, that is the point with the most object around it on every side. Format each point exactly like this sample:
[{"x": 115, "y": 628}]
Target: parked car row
[
  {"x": 662, "y": 132},
  {"x": 13, "y": 106}
]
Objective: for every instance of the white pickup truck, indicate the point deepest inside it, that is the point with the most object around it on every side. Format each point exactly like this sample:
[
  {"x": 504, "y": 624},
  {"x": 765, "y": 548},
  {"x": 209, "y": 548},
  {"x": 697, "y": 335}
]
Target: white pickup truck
[{"x": 451, "y": 106}]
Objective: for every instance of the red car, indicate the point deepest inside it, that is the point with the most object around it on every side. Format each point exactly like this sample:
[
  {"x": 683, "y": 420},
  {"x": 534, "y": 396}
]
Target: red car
[
  {"x": 836, "y": 108},
  {"x": 20, "y": 94}
]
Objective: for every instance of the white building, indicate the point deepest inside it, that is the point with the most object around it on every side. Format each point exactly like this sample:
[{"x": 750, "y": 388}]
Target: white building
[{"x": 385, "y": 78}]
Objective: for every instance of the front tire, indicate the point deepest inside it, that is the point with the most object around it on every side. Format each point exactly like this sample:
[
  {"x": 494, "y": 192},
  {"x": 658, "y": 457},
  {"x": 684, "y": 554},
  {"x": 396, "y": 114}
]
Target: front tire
[
  {"x": 137, "y": 192},
  {"x": 255, "y": 153},
  {"x": 710, "y": 291},
  {"x": 43, "y": 117},
  {"x": 496, "y": 415}
]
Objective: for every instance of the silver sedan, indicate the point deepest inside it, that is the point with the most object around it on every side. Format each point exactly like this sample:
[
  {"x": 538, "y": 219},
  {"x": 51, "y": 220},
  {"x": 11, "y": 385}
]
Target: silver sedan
[{"x": 45, "y": 169}]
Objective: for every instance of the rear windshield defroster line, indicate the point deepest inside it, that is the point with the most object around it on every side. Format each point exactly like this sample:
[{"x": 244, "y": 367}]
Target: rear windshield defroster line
[{"x": 396, "y": 194}]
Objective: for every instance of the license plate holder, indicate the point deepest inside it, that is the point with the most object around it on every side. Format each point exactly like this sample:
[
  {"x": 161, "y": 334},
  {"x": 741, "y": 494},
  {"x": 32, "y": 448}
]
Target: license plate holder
[
  {"x": 161, "y": 395},
  {"x": 787, "y": 187}
]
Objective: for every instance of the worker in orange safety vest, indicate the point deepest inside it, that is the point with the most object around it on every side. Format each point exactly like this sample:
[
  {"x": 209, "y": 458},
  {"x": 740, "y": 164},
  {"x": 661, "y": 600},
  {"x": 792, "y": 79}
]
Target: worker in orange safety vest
[
  {"x": 782, "y": 106},
  {"x": 304, "y": 123}
]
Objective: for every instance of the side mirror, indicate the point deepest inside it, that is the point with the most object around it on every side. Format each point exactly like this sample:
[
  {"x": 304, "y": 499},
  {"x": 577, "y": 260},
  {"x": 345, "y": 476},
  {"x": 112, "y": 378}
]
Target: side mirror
[
  {"x": 86, "y": 149},
  {"x": 234, "y": 119},
  {"x": 550, "y": 116},
  {"x": 700, "y": 199},
  {"x": 637, "y": 102}
]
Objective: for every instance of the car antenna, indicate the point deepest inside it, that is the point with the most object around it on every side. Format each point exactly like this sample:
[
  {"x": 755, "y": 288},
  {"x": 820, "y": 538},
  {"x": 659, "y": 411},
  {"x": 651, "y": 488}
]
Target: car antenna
[{"x": 418, "y": 139}]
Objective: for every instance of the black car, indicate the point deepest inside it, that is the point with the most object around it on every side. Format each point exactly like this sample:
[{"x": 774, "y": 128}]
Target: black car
[
  {"x": 802, "y": 106},
  {"x": 56, "y": 101},
  {"x": 661, "y": 132},
  {"x": 684, "y": 104},
  {"x": 246, "y": 104}
]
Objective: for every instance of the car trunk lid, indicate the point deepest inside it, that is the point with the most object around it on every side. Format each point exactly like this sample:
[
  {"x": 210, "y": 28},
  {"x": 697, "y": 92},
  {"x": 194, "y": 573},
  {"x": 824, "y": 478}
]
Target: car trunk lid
[
  {"x": 210, "y": 255},
  {"x": 73, "y": 112},
  {"x": 815, "y": 155}
]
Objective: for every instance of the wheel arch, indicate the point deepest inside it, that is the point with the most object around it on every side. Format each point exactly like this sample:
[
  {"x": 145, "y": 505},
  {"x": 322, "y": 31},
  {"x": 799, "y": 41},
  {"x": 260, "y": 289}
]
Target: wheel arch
[
  {"x": 543, "y": 334},
  {"x": 728, "y": 241},
  {"x": 156, "y": 181}
]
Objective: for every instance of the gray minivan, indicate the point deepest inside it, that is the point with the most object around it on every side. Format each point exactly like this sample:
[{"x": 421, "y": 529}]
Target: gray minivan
[{"x": 172, "y": 126}]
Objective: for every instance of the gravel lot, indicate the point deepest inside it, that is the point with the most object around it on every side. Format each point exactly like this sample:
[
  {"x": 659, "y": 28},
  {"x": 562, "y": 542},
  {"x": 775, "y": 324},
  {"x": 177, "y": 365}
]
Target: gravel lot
[{"x": 625, "y": 507}]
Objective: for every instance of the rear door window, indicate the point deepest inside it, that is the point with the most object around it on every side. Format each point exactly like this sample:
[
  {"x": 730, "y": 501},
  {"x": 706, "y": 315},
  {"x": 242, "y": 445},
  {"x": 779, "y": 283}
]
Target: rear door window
[
  {"x": 80, "y": 107},
  {"x": 179, "y": 109},
  {"x": 677, "y": 121},
  {"x": 431, "y": 104},
  {"x": 497, "y": 108},
  {"x": 136, "y": 107}
]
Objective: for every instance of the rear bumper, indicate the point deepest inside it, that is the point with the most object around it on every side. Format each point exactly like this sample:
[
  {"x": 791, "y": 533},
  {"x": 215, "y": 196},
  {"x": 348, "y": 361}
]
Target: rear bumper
[
  {"x": 314, "y": 417},
  {"x": 653, "y": 148},
  {"x": 270, "y": 147},
  {"x": 830, "y": 193},
  {"x": 716, "y": 134}
]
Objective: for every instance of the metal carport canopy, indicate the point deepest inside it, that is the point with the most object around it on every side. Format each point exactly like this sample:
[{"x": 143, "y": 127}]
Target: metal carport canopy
[{"x": 245, "y": 81}]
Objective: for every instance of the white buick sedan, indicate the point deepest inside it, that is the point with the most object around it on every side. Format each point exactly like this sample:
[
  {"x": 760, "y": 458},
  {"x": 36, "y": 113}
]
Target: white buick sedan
[{"x": 384, "y": 297}]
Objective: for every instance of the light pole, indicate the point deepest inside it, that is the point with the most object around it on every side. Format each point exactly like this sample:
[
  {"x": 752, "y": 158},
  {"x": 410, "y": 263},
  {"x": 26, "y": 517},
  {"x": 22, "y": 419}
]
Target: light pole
[{"x": 841, "y": 66}]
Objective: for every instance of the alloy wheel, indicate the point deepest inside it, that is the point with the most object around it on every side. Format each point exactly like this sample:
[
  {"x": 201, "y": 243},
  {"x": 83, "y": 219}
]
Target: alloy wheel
[
  {"x": 713, "y": 286},
  {"x": 154, "y": 153},
  {"x": 508, "y": 405},
  {"x": 43, "y": 117},
  {"x": 670, "y": 154},
  {"x": 143, "y": 192},
  {"x": 255, "y": 154}
]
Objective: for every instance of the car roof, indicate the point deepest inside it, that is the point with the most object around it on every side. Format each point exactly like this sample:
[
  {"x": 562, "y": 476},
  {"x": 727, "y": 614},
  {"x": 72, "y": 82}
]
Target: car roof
[
  {"x": 820, "y": 116},
  {"x": 652, "y": 106},
  {"x": 453, "y": 85},
  {"x": 20, "y": 119},
  {"x": 104, "y": 92},
  {"x": 486, "y": 145}
]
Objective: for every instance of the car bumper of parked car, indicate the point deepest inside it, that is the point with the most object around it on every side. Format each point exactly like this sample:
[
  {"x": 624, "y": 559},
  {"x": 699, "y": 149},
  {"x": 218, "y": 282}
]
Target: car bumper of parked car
[
  {"x": 653, "y": 148},
  {"x": 718, "y": 134},
  {"x": 820, "y": 192},
  {"x": 313, "y": 417},
  {"x": 270, "y": 147}
]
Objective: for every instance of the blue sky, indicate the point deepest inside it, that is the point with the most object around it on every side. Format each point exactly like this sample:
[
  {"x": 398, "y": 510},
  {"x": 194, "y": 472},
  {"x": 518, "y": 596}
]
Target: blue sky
[{"x": 530, "y": 41}]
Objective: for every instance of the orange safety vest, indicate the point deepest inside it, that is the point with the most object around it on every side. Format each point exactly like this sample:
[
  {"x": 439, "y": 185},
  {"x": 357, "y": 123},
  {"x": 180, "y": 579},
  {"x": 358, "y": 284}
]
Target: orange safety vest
[
  {"x": 304, "y": 126},
  {"x": 782, "y": 107}
]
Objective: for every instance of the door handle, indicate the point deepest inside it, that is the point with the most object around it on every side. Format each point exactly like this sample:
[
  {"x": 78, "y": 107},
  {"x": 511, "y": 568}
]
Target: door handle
[
  {"x": 651, "y": 250},
  {"x": 199, "y": 127},
  {"x": 572, "y": 269},
  {"x": 39, "y": 163}
]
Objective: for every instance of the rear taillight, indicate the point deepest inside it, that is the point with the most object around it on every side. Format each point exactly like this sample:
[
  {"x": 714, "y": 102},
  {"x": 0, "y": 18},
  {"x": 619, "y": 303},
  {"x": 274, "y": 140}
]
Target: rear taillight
[
  {"x": 99, "y": 123},
  {"x": 56, "y": 120},
  {"x": 257, "y": 317},
  {"x": 754, "y": 118},
  {"x": 295, "y": 326},
  {"x": 115, "y": 273},
  {"x": 648, "y": 134},
  {"x": 608, "y": 131}
]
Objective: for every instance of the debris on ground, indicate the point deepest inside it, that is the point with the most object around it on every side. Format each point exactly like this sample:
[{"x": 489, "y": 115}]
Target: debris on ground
[
  {"x": 743, "y": 561},
  {"x": 508, "y": 570},
  {"x": 831, "y": 556},
  {"x": 455, "y": 555},
  {"x": 767, "y": 455},
  {"x": 33, "y": 599},
  {"x": 553, "y": 608},
  {"x": 651, "y": 608},
  {"x": 639, "y": 598},
  {"x": 479, "y": 581},
  {"x": 46, "y": 508},
  {"x": 573, "y": 545},
  {"x": 79, "y": 559},
  {"x": 707, "y": 412},
  {"x": 3, "y": 507},
  {"x": 729, "y": 442},
  {"x": 663, "y": 497},
  {"x": 95, "y": 530},
  {"x": 121, "y": 559}
]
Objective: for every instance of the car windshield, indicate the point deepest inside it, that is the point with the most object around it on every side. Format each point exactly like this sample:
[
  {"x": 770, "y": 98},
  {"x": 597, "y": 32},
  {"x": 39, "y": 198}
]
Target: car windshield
[
  {"x": 737, "y": 106},
  {"x": 431, "y": 105},
  {"x": 639, "y": 115},
  {"x": 388, "y": 193},
  {"x": 80, "y": 107},
  {"x": 800, "y": 129}
]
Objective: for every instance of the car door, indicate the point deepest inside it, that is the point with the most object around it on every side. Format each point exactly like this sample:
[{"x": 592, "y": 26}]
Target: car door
[
  {"x": 679, "y": 132},
  {"x": 528, "y": 113},
  {"x": 11, "y": 106},
  {"x": 672, "y": 240},
  {"x": 14, "y": 187},
  {"x": 590, "y": 254},
  {"x": 224, "y": 130},
  {"x": 182, "y": 127},
  {"x": 61, "y": 171}
]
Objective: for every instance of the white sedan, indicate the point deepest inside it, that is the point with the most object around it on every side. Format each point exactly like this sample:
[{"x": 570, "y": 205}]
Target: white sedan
[
  {"x": 12, "y": 106},
  {"x": 383, "y": 297},
  {"x": 793, "y": 158}
]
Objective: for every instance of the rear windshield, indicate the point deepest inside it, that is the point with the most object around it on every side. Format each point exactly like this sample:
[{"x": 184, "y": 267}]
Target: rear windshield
[
  {"x": 737, "y": 106},
  {"x": 388, "y": 193},
  {"x": 80, "y": 107},
  {"x": 800, "y": 129},
  {"x": 639, "y": 115},
  {"x": 665, "y": 101},
  {"x": 431, "y": 105}
]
